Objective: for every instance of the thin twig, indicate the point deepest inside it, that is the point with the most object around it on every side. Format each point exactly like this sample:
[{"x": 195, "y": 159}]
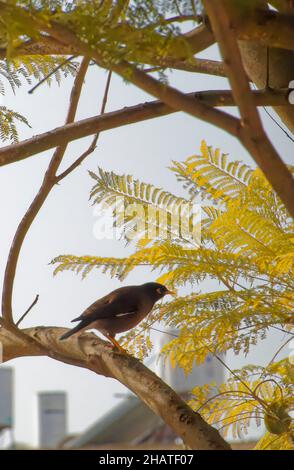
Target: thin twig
[
  {"x": 92, "y": 146},
  {"x": 278, "y": 351},
  {"x": 238, "y": 378},
  {"x": 269, "y": 380},
  {"x": 281, "y": 329},
  {"x": 227, "y": 392},
  {"x": 242, "y": 413},
  {"x": 28, "y": 310},
  {"x": 51, "y": 73}
]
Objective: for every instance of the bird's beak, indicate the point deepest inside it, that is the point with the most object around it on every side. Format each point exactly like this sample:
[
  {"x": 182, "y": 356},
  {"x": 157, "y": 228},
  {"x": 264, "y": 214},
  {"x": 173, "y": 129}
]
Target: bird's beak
[{"x": 170, "y": 292}]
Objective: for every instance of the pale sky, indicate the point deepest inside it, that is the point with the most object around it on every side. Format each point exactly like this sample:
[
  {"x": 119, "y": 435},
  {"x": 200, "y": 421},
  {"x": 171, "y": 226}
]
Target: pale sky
[{"x": 65, "y": 225}]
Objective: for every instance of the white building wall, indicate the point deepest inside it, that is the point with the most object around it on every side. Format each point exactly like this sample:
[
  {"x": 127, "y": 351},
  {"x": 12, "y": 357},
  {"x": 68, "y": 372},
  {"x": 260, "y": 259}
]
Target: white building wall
[
  {"x": 52, "y": 418},
  {"x": 6, "y": 396},
  {"x": 212, "y": 371}
]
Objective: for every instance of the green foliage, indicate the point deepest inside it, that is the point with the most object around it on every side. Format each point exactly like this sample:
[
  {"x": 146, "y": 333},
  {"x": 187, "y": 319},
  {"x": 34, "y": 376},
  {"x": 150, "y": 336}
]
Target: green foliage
[
  {"x": 27, "y": 68},
  {"x": 8, "y": 118},
  {"x": 37, "y": 67},
  {"x": 247, "y": 246},
  {"x": 118, "y": 29}
]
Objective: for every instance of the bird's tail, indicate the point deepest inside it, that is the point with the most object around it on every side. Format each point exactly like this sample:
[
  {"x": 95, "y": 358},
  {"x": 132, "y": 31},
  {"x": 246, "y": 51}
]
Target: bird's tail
[
  {"x": 79, "y": 318},
  {"x": 72, "y": 331}
]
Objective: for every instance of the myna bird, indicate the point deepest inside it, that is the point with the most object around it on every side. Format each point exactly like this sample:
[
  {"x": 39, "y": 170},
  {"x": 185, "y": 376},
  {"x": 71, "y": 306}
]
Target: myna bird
[{"x": 120, "y": 310}]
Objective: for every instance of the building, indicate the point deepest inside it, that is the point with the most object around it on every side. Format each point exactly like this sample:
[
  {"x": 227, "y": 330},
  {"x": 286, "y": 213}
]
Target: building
[
  {"x": 52, "y": 413},
  {"x": 6, "y": 406}
]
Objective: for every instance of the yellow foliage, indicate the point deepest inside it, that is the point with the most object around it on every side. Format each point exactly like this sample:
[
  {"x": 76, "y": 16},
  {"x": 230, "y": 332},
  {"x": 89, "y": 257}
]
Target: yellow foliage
[{"x": 248, "y": 247}]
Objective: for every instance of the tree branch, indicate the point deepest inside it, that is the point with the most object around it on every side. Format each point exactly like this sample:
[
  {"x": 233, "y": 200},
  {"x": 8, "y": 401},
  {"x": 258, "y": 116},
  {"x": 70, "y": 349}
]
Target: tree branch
[
  {"x": 50, "y": 46},
  {"x": 200, "y": 38},
  {"x": 264, "y": 27},
  {"x": 93, "y": 144},
  {"x": 210, "y": 67},
  {"x": 44, "y": 45},
  {"x": 28, "y": 310},
  {"x": 254, "y": 137},
  {"x": 90, "y": 352},
  {"x": 125, "y": 116},
  {"x": 47, "y": 185},
  {"x": 178, "y": 100},
  {"x": 169, "y": 95},
  {"x": 261, "y": 98},
  {"x": 180, "y": 47}
]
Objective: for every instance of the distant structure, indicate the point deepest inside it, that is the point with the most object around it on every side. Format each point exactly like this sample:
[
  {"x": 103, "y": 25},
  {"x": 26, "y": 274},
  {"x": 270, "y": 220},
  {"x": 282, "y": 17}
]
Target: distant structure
[
  {"x": 131, "y": 423},
  {"x": 52, "y": 418},
  {"x": 6, "y": 406},
  {"x": 210, "y": 371}
]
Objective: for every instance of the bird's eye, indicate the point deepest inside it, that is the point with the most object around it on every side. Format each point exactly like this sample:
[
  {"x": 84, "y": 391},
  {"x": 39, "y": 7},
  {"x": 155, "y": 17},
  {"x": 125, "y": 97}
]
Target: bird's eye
[{"x": 161, "y": 290}]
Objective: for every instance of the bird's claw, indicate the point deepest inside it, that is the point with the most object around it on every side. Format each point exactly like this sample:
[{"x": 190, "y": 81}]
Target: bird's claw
[
  {"x": 116, "y": 346},
  {"x": 120, "y": 349}
]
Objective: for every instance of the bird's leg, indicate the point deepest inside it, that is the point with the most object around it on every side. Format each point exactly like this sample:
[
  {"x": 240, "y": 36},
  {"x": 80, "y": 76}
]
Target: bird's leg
[{"x": 116, "y": 344}]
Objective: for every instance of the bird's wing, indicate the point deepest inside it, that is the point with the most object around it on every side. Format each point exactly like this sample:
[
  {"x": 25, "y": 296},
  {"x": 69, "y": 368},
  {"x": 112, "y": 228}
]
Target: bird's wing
[{"x": 117, "y": 303}]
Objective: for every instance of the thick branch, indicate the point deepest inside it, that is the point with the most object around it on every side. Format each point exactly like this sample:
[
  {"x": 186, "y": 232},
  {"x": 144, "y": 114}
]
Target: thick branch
[
  {"x": 254, "y": 136},
  {"x": 171, "y": 96},
  {"x": 45, "y": 45},
  {"x": 193, "y": 64},
  {"x": 123, "y": 117},
  {"x": 200, "y": 38},
  {"x": 50, "y": 46},
  {"x": 180, "y": 47},
  {"x": 90, "y": 352}
]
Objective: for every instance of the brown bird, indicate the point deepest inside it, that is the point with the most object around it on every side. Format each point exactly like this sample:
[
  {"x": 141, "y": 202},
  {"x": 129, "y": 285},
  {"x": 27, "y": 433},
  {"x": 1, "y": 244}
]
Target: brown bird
[{"x": 120, "y": 310}]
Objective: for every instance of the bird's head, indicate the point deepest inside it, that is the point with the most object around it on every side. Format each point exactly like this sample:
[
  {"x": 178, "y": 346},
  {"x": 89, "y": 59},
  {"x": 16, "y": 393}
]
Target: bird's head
[{"x": 156, "y": 290}]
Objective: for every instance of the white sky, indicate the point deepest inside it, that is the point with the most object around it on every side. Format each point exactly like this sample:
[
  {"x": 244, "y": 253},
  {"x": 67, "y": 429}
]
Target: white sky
[{"x": 66, "y": 222}]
